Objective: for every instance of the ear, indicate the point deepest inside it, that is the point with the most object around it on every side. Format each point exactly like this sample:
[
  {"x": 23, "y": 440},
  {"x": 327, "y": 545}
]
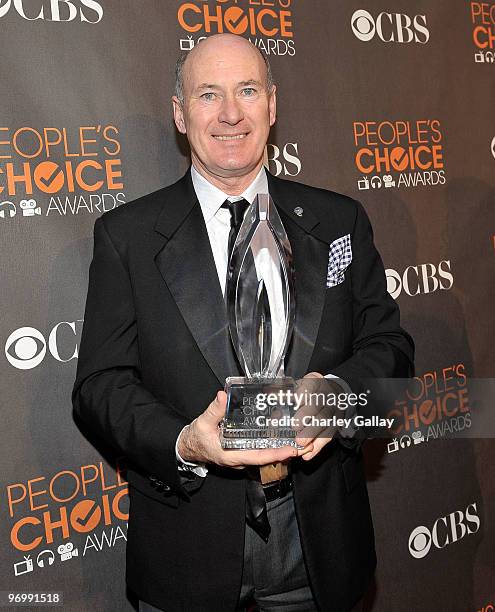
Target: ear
[
  {"x": 178, "y": 115},
  {"x": 272, "y": 105}
]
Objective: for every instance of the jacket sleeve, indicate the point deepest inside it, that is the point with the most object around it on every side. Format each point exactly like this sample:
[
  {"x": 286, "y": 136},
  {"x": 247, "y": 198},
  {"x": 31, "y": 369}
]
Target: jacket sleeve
[
  {"x": 108, "y": 394},
  {"x": 381, "y": 348}
]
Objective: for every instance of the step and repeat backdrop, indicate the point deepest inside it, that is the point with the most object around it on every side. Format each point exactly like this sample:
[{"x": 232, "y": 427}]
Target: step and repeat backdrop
[{"x": 391, "y": 102}]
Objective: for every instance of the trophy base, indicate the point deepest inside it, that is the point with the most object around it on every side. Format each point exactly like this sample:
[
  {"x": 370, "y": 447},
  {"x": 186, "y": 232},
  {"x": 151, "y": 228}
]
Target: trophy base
[{"x": 259, "y": 413}]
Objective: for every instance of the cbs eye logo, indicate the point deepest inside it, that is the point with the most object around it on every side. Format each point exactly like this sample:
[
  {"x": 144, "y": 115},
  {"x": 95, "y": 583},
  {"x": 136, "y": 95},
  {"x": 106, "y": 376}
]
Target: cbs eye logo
[
  {"x": 420, "y": 542},
  {"x": 363, "y": 25},
  {"x": 26, "y": 347}
]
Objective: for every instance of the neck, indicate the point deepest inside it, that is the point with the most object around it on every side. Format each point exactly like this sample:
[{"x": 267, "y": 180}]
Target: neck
[{"x": 231, "y": 185}]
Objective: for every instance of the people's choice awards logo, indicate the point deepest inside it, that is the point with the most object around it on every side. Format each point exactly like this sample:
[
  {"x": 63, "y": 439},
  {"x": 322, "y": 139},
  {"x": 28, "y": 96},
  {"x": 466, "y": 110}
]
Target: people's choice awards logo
[
  {"x": 399, "y": 153},
  {"x": 268, "y": 25},
  {"x": 435, "y": 405},
  {"x": 390, "y": 27},
  {"x": 59, "y": 171},
  {"x": 26, "y": 347},
  {"x": 87, "y": 504},
  {"x": 446, "y": 530},
  {"x": 86, "y": 11},
  {"x": 483, "y": 22}
]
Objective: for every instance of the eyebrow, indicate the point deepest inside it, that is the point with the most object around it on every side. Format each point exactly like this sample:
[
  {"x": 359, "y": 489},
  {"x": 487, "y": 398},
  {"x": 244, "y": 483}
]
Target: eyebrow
[
  {"x": 240, "y": 84},
  {"x": 250, "y": 82},
  {"x": 207, "y": 86}
]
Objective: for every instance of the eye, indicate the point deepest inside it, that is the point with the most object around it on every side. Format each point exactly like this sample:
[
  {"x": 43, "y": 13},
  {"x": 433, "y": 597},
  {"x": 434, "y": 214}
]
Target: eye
[
  {"x": 208, "y": 96},
  {"x": 248, "y": 91}
]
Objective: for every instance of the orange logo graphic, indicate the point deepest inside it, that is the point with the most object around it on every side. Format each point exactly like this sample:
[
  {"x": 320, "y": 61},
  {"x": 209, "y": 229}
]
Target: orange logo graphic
[
  {"x": 483, "y": 20},
  {"x": 411, "y": 148},
  {"x": 398, "y": 145},
  {"x": 431, "y": 398},
  {"x": 50, "y": 160},
  {"x": 257, "y": 17},
  {"x": 42, "y": 511}
]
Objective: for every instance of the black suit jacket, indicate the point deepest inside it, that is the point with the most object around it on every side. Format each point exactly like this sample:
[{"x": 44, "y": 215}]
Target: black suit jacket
[{"x": 155, "y": 350}]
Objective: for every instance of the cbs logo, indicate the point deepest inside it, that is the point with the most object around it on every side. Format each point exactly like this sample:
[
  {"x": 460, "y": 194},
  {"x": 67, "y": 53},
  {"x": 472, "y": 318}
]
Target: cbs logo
[
  {"x": 390, "y": 27},
  {"x": 290, "y": 164},
  {"x": 90, "y": 11},
  {"x": 422, "y": 279},
  {"x": 26, "y": 347},
  {"x": 446, "y": 530}
]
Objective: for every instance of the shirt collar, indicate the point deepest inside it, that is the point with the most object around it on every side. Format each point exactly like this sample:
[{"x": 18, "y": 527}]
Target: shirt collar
[{"x": 211, "y": 197}]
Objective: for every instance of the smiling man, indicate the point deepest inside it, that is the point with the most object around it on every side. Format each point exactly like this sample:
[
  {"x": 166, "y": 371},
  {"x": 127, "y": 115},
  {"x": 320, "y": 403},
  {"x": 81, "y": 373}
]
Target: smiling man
[{"x": 204, "y": 532}]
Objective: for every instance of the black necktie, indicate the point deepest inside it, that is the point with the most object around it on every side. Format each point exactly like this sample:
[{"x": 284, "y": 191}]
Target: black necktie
[
  {"x": 237, "y": 210},
  {"x": 256, "y": 511}
]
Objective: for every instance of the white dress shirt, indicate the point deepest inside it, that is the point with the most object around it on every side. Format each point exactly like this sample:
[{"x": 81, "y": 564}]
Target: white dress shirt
[{"x": 217, "y": 219}]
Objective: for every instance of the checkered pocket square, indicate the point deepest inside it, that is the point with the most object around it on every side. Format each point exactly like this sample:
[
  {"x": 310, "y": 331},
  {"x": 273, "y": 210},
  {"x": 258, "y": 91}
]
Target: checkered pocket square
[{"x": 339, "y": 257}]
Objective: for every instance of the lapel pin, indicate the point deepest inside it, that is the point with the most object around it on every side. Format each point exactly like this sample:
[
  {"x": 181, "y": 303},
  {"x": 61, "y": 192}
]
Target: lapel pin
[{"x": 298, "y": 211}]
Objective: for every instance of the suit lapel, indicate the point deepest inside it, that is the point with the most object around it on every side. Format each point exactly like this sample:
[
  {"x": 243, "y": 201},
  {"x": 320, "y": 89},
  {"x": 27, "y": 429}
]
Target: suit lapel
[
  {"x": 186, "y": 263},
  {"x": 187, "y": 266},
  {"x": 310, "y": 264}
]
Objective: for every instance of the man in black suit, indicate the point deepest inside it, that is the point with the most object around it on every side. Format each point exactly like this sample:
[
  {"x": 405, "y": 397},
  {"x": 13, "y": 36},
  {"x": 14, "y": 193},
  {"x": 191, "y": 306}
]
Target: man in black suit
[{"x": 155, "y": 353}]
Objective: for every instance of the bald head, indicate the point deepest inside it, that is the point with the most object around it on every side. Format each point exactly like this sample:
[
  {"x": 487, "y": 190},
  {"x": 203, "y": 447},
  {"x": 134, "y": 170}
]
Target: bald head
[{"x": 214, "y": 47}]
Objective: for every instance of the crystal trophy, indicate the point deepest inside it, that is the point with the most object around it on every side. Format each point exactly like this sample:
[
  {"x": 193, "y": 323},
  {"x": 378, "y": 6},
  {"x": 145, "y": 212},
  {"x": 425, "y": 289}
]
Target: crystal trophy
[{"x": 260, "y": 308}]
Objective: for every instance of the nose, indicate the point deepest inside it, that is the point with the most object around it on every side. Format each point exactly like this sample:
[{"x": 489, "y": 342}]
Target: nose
[{"x": 231, "y": 111}]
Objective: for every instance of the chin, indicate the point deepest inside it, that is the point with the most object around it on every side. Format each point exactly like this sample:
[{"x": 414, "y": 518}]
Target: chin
[{"x": 239, "y": 163}]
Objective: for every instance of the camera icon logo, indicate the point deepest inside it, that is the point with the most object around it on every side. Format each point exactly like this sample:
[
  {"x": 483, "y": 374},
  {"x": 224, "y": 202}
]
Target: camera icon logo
[
  {"x": 67, "y": 551},
  {"x": 29, "y": 208}
]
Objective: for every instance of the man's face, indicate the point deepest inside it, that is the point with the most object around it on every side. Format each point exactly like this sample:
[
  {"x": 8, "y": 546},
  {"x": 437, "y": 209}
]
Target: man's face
[{"x": 227, "y": 111}]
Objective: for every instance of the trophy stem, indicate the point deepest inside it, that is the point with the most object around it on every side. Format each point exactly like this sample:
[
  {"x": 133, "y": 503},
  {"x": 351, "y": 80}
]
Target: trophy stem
[{"x": 262, "y": 341}]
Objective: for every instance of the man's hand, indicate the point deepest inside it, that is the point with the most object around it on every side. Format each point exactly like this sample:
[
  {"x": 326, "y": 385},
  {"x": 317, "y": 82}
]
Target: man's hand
[
  {"x": 200, "y": 442},
  {"x": 316, "y": 436}
]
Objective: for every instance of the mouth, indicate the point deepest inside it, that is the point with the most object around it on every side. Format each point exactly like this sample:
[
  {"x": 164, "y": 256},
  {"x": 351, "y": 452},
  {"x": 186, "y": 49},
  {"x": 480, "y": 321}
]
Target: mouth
[{"x": 227, "y": 137}]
